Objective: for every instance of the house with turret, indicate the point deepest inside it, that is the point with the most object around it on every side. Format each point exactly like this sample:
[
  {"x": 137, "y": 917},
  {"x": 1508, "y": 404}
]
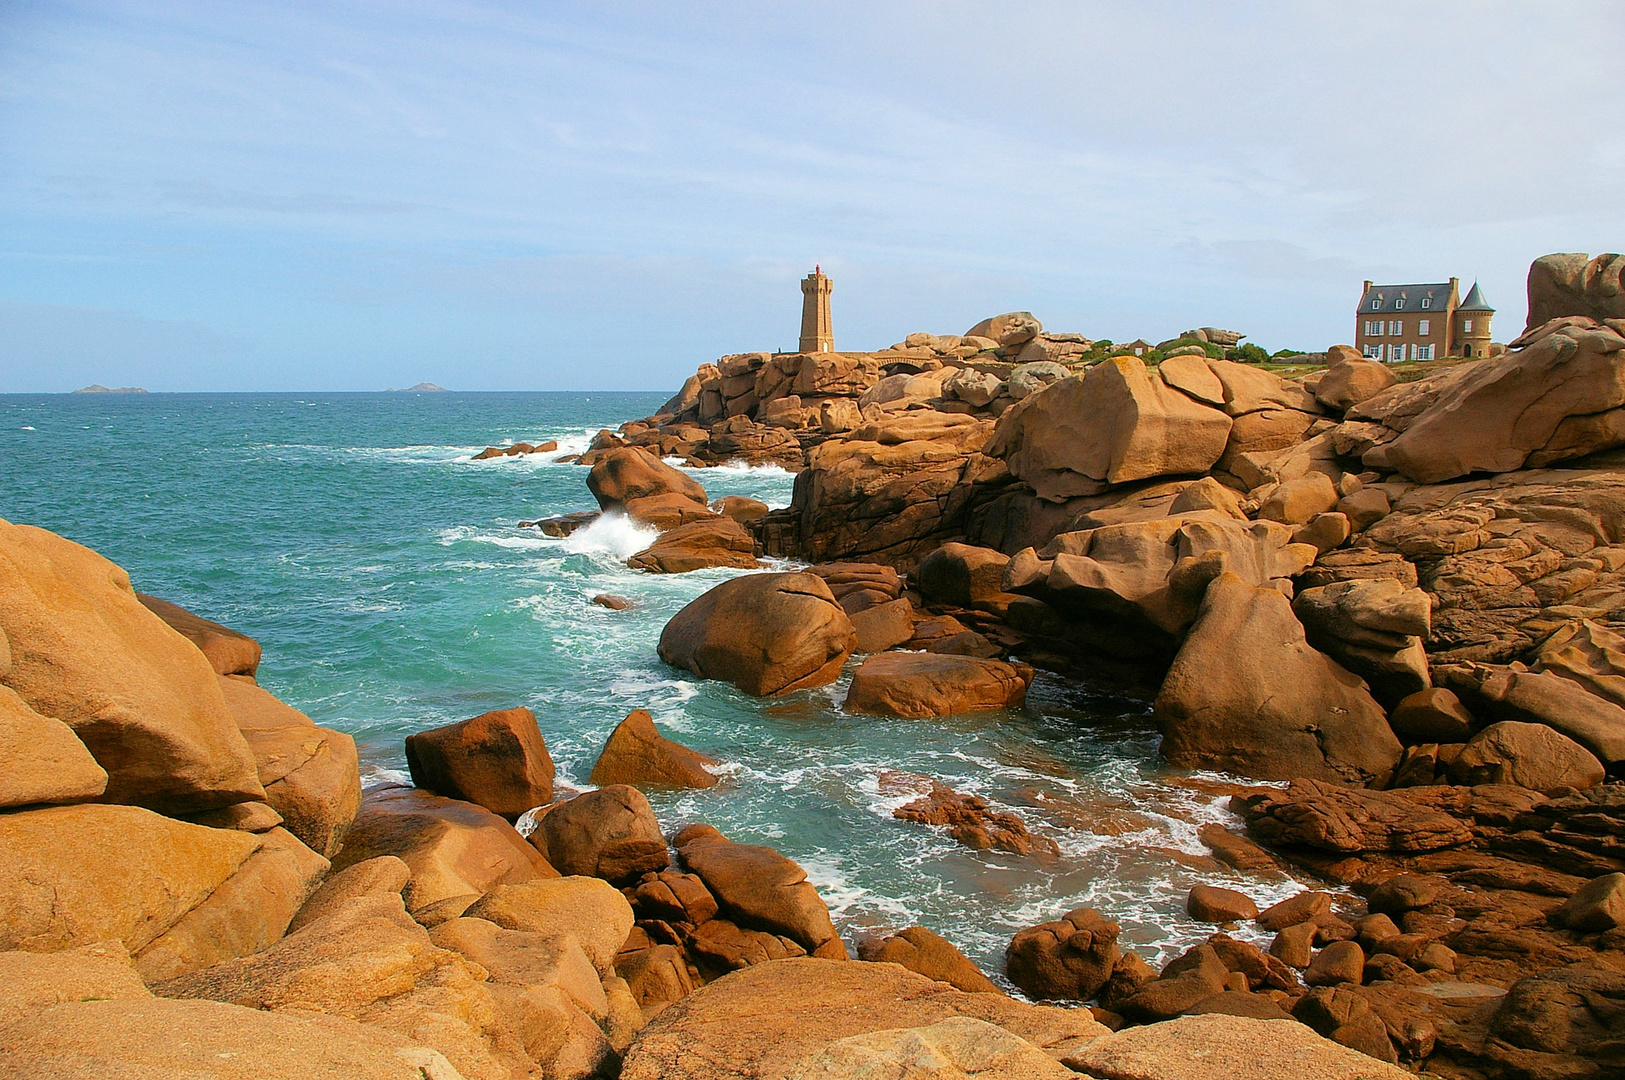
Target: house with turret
[{"x": 1421, "y": 322}]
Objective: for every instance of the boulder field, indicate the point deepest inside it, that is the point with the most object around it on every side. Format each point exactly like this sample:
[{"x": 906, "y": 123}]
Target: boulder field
[{"x": 1395, "y": 601}]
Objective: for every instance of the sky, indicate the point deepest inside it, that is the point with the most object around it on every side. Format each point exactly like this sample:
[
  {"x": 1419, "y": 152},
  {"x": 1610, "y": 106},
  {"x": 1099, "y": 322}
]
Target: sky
[{"x": 238, "y": 196}]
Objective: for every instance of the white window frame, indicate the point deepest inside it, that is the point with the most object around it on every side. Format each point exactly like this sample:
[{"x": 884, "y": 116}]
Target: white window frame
[
  {"x": 1427, "y": 302},
  {"x": 1466, "y": 326},
  {"x": 1399, "y": 305},
  {"x": 1424, "y": 352},
  {"x": 1373, "y": 352},
  {"x": 1396, "y": 354},
  {"x": 1396, "y": 328},
  {"x": 1376, "y": 305},
  {"x": 1422, "y": 326}
]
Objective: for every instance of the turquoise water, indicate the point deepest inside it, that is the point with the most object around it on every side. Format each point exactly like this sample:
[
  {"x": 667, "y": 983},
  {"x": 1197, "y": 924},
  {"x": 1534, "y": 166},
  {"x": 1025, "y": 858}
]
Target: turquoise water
[{"x": 385, "y": 576}]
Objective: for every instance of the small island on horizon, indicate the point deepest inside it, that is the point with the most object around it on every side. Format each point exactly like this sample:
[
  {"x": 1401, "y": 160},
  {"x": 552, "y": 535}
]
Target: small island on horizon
[
  {"x": 423, "y": 388},
  {"x": 98, "y": 388}
]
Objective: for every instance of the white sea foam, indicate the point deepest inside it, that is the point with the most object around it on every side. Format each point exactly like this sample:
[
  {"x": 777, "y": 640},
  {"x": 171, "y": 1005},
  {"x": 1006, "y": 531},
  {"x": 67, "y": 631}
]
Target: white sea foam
[
  {"x": 614, "y": 534},
  {"x": 28, "y": 427}
]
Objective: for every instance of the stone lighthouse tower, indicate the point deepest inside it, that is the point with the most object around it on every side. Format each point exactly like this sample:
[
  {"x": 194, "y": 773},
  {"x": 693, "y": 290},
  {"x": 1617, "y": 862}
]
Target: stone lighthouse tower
[{"x": 817, "y": 334}]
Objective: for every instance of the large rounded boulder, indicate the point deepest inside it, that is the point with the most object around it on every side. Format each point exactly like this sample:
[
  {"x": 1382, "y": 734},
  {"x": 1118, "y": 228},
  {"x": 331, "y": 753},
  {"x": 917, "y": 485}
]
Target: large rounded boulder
[{"x": 765, "y": 633}]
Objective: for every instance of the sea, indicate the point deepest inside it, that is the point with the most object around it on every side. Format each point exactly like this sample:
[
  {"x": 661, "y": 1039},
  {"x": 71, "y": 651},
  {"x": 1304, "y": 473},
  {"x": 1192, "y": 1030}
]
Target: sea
[{"x": 386, "y": 576}]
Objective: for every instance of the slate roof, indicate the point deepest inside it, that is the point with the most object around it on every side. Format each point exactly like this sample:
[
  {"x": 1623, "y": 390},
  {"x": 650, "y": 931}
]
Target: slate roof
[
  {"x": 1475, "y": 301},
  {"x": 1389, "y": 295}
]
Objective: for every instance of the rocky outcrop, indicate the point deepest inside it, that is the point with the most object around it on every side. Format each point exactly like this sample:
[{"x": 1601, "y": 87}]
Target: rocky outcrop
[
  {"x": 638, "y": 754},
  {"x": 757, "y": 887},
  {"x": 1551, "y": 398},
  {"x": 456, "y": 851},
  {"x": 935, "y": 684},
  {"x": 1069, "y": 959},
  {"x": 1117, "y": 424},
  {"x": 310, "y": 773},
  {"x": 765, "y": 633},
  {"x": 1375, "y": 629},
  {"x": 228, "y": 652},
  {"x": 713, "y": 540},
  {"x": 626, "y": 473},
  {"x": 1573, "y": 284},
  {"x": 497, "y": 760},
  {"x": 1248, "y": 694},
  {"x": 722, "y": 1030},
  {"x": 929, "y": 954},
  {"x": 1213, "y": 1047},
  {"x": 44, "y": 761},
  {"x": 609, "y": 833},
  {"x": 142, "y": 698},
  {"x": 971, "y": 821}
]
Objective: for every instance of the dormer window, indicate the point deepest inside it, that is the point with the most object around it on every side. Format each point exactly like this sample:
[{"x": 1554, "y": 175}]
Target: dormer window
[
  {"x": 1427, "y": 301},
  {"x": 1376, "y": 305},
  {"x": 1399, "y": 305}
]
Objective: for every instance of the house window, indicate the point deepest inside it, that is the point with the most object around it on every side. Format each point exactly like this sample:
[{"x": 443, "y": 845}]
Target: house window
[
  {"x": 1427, "y": 302},
  {"x": 1373, "y": 352},
  {"x": 1396, "y": 353},
  {"x": 1376, "y": 305},
  {"x": 1399, "y": 305},
  {"x": 1373, "y": 329},
  {"x": 1422, "y": 327},
  {"x": 1424, "y": 352},
  {"x": 1396, "y": 328},
  {"x": 1466, "y": 326}
]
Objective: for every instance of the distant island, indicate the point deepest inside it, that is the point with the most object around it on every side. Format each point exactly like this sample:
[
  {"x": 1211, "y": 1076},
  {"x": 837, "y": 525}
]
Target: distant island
[
  {"x": 425, "y": 388},
  {"x": 98, "y": 388}
]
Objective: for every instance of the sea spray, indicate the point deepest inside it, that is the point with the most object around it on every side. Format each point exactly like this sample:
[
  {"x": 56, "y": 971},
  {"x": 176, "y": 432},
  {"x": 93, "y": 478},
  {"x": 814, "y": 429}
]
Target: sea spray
[{"x": 613, "y": 533}]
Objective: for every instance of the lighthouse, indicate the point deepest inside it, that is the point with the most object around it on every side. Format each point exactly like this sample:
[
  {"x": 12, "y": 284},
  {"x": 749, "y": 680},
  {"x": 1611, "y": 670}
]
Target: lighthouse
[{"x": 817, "y": 334}]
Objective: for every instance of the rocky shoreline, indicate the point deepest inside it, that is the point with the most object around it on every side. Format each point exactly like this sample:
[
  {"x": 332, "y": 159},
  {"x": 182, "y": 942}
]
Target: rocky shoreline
[{"x": 1394, "y": 606}]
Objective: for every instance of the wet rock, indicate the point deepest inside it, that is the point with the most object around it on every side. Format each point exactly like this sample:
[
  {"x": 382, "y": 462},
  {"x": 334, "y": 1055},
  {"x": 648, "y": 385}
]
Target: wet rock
[
  {"x": 884, "y": 626},
  {"x": 1294, "y": 945},
  {"x": 765, "y": 633},
  {"x": 1332, "y": 817},
  {"x": 1210, "y": 903},
  {"x": 970, "y": 821},
  {"x": 609, "y": 833},
  {"x": 929, "y": 954},
  {"x": 227, "y": 651},
  {"x": 1069, "y": 959},
  {"x": 1129, "y": 975},
  {"x": 1260, "y": 970},
  {"x": 638, "y": 754},
  {"x": 456, "y": 851},
  {"x": 759, "y": 888},
  {"x": 143, "y": 699},
  {"x": 935, "y": 684},
  {"x": 1302, "y": 908},
  {"x": 668, "y": 511},
  {"x": 1244, "y": 686},
  {"x": 1528, "y": 755},
  {"x": 709, "y": 542},
  {"x": 742, "y": 509},
  {"x": 563, "y": 524},
  {"x": 629, "y": 472},
  {"x": 612, "y": 601},
  {"x": 497, "y": 760}
]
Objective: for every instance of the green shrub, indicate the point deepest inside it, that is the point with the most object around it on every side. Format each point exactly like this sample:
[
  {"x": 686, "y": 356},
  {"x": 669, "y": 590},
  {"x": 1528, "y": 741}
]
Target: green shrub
[{"x": 1249, "y": 354}]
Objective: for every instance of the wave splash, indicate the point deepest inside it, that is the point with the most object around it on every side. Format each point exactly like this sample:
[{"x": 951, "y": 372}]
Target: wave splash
[{"x": 613, "y": 533}]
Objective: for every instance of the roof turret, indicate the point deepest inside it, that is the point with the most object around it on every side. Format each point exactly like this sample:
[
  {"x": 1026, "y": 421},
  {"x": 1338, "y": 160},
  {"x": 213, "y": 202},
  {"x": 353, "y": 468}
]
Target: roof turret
[{"x": 1475, "y": 301}]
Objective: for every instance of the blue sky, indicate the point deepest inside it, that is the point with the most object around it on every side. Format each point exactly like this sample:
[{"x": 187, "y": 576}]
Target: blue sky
[{"x": 352, "y": 196}]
